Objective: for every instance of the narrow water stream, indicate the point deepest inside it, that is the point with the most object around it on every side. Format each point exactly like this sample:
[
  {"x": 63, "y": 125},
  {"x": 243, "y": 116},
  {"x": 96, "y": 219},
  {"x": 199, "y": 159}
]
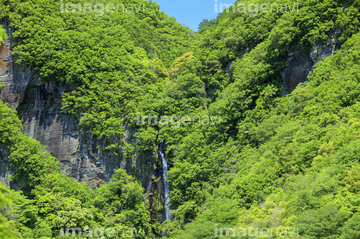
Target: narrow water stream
[{"x": 166, "y": 186}]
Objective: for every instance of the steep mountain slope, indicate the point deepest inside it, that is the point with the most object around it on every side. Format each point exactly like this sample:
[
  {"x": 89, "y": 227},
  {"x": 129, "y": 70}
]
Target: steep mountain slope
[
  {"x": 239, "y": 72},
  {"x": 299, "y": 169},
  {"x": 110, "y": 60},
  {"x": 263, "y": 129},
  {"x": 244, "y": 96}
]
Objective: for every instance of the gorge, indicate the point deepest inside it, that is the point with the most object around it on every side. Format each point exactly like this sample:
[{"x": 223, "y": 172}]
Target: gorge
[{"x": 76, "y": 150}]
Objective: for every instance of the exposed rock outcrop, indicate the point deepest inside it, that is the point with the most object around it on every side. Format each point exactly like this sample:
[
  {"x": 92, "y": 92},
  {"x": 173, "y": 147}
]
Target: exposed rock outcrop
[
  {"x": 322, "y": 49},
  {"x": 301, "y": 63},
  {"x": 12, "y": 75},
  {"x": 298, "y": 69},
  {"x": 5, "y": 169},
  {"x": 39, "y": 105}
]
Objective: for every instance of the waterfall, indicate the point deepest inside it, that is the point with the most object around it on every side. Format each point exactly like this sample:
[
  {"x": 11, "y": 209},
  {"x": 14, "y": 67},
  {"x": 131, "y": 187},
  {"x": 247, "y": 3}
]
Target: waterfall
[{"x": 166, "y": 186}]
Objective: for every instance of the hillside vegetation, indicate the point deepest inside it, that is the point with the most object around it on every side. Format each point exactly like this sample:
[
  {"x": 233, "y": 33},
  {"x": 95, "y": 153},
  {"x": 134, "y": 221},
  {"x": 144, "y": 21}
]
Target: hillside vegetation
[{"x": 290, "y": 163}]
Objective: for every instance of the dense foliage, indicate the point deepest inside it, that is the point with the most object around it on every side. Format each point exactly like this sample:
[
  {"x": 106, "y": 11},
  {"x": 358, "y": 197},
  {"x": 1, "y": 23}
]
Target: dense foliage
[
  {"x": 46, "y": 201},
  {"x": 268, "y": 160},
  {"x": 299, "y": 167}
]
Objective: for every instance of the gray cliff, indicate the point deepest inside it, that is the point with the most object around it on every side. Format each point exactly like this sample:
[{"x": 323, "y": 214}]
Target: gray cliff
[{"x": 39, "y": 105}]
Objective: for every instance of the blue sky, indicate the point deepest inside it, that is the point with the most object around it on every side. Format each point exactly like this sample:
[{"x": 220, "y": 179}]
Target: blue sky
[{"x": 189, "y": 12}]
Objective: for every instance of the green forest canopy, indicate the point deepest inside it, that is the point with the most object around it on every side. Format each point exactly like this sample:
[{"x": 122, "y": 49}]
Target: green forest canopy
[{"x": 275, "y": 161}]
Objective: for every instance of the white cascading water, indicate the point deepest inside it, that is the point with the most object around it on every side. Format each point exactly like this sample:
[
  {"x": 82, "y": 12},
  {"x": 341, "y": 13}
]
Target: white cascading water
[{"x": 166, "y": 186}]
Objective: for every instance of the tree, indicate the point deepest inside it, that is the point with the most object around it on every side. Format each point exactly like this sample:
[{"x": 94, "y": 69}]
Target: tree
[
  {"x": 2, "y": 35},
  {"x": 6, "y": 228}
]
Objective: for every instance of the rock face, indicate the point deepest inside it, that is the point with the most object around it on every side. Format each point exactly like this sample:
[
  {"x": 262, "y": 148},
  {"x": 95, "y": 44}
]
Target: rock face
[
  {"x": 42, "y": 120},
  {"x": 298, "y": 69},
  {"x": 5, "y": 170},
  {"x": 13, "y": 76},
  {"x": 39, "y": 104},
  {"x": 301, "y": 63},
  {"x": 320, "y": 50}
]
